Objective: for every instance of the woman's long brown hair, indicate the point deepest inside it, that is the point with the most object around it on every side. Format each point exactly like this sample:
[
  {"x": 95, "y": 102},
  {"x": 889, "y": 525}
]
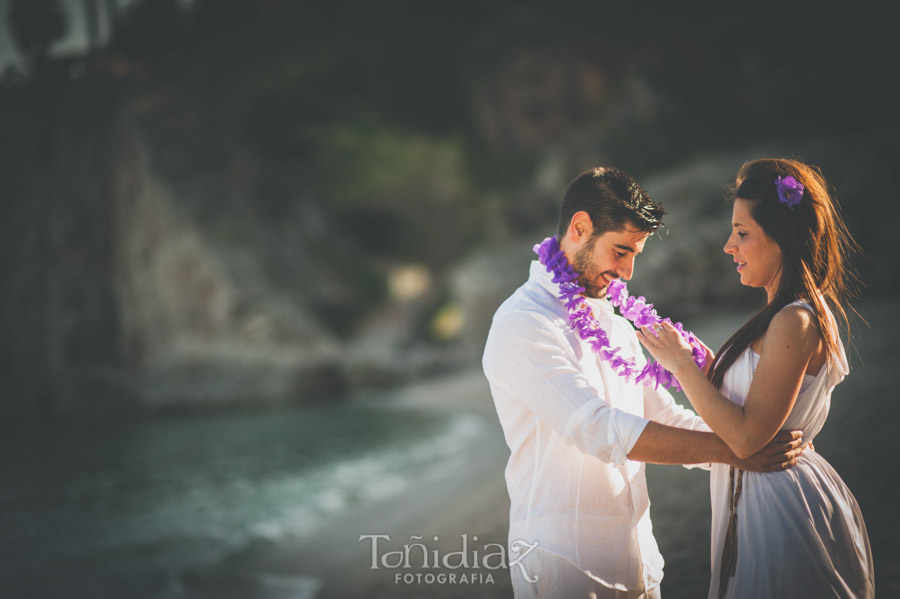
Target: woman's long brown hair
[{"x": 815, "y": 246}]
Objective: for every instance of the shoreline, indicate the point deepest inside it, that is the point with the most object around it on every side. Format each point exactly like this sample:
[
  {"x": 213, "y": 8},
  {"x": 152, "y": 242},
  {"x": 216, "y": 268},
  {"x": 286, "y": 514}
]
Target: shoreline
[{"x": 466, "y": 498}]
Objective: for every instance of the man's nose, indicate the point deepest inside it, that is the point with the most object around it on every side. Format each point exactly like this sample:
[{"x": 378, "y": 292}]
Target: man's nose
[{"x": 626, "y": 270}]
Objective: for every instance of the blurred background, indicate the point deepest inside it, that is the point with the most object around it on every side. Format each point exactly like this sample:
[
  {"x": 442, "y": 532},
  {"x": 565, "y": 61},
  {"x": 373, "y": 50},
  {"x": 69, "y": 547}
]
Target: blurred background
[{"x": 250, "y": 250}]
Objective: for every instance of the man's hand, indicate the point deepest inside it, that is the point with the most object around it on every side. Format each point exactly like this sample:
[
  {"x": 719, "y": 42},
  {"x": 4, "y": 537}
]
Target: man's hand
[{"x": 781, "y": 453}]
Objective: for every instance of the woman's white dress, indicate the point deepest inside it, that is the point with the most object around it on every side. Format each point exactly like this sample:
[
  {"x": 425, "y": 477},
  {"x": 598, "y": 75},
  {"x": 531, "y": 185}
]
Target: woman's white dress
[{"x": 800, "y": 532}]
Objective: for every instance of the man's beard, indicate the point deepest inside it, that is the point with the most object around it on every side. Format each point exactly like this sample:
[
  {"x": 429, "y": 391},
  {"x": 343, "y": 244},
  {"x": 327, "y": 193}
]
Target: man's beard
[{"x": 587, "y": 272}]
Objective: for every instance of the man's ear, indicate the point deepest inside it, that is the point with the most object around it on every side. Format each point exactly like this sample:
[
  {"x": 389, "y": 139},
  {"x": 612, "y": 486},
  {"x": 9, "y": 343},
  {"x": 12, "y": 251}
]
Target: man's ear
[{"x": 580, "y": 227}]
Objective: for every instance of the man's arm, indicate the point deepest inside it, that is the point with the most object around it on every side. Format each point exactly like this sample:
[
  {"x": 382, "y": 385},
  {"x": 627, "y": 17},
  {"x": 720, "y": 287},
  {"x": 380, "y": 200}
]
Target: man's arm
[
  {"x": 530, "y": 362},
  {"x": 660, "y": 444},
  {"x": 528, "y": 359},
  {"x": 661, "y": 407}
]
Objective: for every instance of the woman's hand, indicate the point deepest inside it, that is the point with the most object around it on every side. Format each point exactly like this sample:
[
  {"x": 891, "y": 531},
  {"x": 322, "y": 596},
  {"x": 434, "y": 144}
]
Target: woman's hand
[{"x": 667, "y": 346}]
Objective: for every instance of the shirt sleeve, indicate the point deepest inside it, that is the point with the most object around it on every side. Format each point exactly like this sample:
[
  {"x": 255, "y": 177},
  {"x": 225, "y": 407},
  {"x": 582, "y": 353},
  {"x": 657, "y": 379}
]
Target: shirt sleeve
[
  {"x": 529, "y": 359},
  {"x": 660, "y": 406}
]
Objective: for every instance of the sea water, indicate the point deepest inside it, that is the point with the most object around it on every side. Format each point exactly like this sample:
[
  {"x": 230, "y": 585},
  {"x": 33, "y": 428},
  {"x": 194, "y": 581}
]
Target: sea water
[{"x": 123, "y": 510}]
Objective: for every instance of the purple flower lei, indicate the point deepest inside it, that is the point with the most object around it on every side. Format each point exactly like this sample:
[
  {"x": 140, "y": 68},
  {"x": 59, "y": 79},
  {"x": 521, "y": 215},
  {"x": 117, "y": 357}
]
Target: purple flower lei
[
  {"x": 790, "y": 191},
  {"x": 635, "y": 309}
]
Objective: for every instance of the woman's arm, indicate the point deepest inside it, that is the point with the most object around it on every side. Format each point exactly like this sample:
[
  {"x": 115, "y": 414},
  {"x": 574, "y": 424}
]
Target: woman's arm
[{"x": 790, "y": 342}]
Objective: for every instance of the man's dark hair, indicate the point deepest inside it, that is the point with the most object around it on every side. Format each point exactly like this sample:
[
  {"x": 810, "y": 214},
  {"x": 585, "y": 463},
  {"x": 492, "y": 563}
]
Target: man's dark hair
[{"x": 614, "y": 201}]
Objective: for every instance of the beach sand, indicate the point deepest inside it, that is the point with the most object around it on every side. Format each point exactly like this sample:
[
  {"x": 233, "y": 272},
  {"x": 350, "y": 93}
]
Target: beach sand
[{"x": 470, "y": 499}]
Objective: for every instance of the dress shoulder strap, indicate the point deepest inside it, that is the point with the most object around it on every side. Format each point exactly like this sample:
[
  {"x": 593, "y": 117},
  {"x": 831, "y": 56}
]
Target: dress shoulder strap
[{"x": 802, "y": 304}]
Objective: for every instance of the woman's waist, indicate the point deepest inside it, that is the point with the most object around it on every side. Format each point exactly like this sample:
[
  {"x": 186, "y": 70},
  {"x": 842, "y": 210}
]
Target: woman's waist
[{"x": 810, "y": 475}]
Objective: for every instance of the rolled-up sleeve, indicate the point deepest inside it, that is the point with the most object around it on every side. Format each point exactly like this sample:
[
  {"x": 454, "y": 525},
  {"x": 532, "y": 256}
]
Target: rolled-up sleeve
[
  {"x": 660, "y": 406},
  {"x": 528, "y": 359}
]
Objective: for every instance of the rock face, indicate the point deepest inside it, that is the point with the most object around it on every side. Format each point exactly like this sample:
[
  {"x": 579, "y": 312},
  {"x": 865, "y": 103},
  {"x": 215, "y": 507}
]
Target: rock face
[
  {"x": 683, "y": 269},
  {"x": 60, "y": 351},
  {"x": 133, "y": 285},
  {"x": 115, "y": 298},
  {"x": 483, "y": 281},
  {"x": 197, "y": 325}
]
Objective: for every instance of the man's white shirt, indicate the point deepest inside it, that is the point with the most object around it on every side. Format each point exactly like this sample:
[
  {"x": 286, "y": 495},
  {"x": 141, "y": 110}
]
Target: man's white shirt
[{"x": 570, "y": 422}]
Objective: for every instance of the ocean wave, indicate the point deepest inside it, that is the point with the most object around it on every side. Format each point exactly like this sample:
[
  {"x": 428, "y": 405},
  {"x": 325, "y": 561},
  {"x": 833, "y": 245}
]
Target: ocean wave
[{"x": 306, "y": 502}]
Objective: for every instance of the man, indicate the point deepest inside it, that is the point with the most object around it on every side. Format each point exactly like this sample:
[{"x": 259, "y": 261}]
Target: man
[{"x": 577, "y": 431}]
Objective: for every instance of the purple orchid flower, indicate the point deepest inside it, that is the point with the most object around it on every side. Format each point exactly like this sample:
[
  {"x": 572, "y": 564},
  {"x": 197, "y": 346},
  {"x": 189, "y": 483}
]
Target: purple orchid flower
[{"x": 790, "y": 191}]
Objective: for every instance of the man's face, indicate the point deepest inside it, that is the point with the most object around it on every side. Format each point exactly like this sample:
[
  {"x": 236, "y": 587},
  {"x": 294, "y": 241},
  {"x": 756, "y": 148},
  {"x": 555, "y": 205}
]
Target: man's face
[{"x": 608, "y": 256}]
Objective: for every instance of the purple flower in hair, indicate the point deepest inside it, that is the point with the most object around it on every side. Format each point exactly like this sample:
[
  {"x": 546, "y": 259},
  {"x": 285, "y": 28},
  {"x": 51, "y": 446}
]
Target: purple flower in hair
[{"x": 790, "y": 191}]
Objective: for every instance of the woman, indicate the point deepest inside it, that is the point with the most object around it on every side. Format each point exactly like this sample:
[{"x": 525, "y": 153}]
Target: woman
[{"x": 796, "y": 533}]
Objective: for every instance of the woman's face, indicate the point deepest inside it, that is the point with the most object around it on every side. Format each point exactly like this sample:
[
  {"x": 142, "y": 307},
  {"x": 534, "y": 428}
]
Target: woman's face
[{"x": 757, "y": 256}]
